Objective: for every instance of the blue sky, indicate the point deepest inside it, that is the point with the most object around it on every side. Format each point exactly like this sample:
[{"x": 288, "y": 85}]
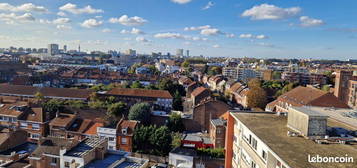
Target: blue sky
[{"x": 236, "y": 28}]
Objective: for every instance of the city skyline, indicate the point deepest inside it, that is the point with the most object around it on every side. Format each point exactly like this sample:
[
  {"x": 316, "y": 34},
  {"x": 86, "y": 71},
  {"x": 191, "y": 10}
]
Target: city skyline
[{"x": 263, "y": 29}]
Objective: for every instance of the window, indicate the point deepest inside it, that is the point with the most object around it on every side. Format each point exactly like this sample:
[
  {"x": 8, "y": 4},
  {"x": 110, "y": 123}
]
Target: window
[
  {"x": 35, "y": 126},
  {"x": 124, "y": 141},
  {"x": 111, "y": 138},
  {"x": 66, "y": 164},
  {"x": 35, "y": 136},
  {"x": 264, "y": 155},
  {"x": 23, "y": 125},
  {"x": 253, "y": 165},
  {"x": 53, "y": 161},
  {"x": 1, "y": 118}
]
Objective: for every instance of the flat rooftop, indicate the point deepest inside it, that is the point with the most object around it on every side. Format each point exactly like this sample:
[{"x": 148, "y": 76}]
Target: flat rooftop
[
  {"x": 307, "y": 111},
  {"x": 272, "y": 130},
  {"x": 346, "y": 116},
  {"x": 83, "y": 147}
]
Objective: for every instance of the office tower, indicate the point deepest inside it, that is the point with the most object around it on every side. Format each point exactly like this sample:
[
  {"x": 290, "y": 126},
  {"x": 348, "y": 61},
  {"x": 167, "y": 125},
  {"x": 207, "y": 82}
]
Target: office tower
[
  {"x": 179, "y": 52},
  {"x": 65, "y": 48},
  {"x": 187, "y": 53},
  {"x": 53, "y": 49}
]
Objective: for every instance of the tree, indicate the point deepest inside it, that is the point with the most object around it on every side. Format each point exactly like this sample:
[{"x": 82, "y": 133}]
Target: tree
[
  {"x": 151, "y": 87},
  {"x": 39, "y": 96},
  {"x": 276, "y": 75},
  {"x": 256, "y": 97},
  {"x": 253, "y": 83},
  {"x": 140, "y": 138},
  {"x": 161, "y": 141},
  {"x": 140, "y": 112},
  {"x": 176, "y": 140},
  {"x": 53, "y": 106},
  {"x": 326, "y": 88},
  {"x": 185, "y": 64},
  {"x": 136, "y": 85},
  {"x": 175, "y": 123},
  {"x": 78, "y": 104},
  {"x": 177, "y": 102},
  {"x": 117, "y": 109}
]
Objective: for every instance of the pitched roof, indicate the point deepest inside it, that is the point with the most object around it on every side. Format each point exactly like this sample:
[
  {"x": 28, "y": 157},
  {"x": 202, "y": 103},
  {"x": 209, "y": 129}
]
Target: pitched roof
[
  {"x": 235, "y": 87},
  {"x": 92, "y": 130},
  {"x": 46, "y": 92},
  {"x": 14, "y": 109},
  {"x": 198, "y": 91},
  {"x": 311, "y": 96},
  {"x": 129, "y": 124},
  {"x": 52, "y": 145},
  {"x": 63, "y": 120},
  {"x": 140, "y": 93},
  {"x": 36, "y": 114}
]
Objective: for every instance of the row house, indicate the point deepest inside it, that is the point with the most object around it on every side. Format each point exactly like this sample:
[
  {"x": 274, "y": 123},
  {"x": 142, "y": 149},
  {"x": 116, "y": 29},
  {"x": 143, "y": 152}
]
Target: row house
[
  {"x": 120, "y": 136},
  {"x": 28, "y": 92},
  {"x": 20, "y": 115},
  {"x": 238, "y": 94},
  {"x": 159, "y": 99}
]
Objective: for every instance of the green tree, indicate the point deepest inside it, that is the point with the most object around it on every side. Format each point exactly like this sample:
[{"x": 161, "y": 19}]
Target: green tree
[
  {"x": 177, "y": 103},
  {"x": 175, "y": 123},
  {"x": 161, "y": 141},
  {"x": 276, "y": 75},
  {"x": 77, "y": 104},
  {"x": 185, "y": 64},
  {"x": 140, "y": 138},
  {"x": 39, "y": 97},
  {"x": 53, "y": 106},
  {"x": 117, "y": 109},
  {"x": 326, "y": 88},
  {"x": 136, "y": 85},
  {"x": 176, "y": 140},
  {"x": 151, "y": 87},
  {"x": 256, "y": 98},
  {"x": 140, "y": 112}
]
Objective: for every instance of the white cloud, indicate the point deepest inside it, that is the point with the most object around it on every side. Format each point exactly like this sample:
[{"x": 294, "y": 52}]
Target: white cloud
[
  {"x": 141, "y": 39},
  {"x": 251, "y": 36},
  {"x": 63, "y": 27},
  {"x": 61, "y": 14},
  {"x": 129, "y": 21},
  {"x": 210, "y": 32},
  {"x": 266, "y": 45},
  {"x": 230, "y": 35},
  {"x": 72, "y": 8},
  {"x": 106, "y": 30},
  {"x": 216, "y": 46},
  {"x": 209, "y": 5},
  {"x": 90, "y": 23},
  {"x": 169, "y": 35},
  {"x": 27, "y": 7},
  {"x": 181, "y": 1},
  {"x": 61, "y": 21},
  {"x": 310, "y": 22},
  {"x": 192, "y": 28},
  {"x": 12, "y": 18},
  {"x": 270, "y": 12},
  {"x": 132, "y": 31}
]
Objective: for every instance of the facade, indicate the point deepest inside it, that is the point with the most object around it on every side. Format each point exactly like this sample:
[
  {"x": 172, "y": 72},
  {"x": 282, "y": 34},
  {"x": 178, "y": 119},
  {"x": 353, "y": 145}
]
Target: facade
[
  {"x": 345, "y": 87},
  {"x": 250, "y": 143},
  {"x": 182, "y": 157},
  {"x": 200, "y": 94},
  {"x": 217, "y": 132},
  {"x": 119, "y": 137},
  {"x": 305, "y": 78},
  {"x": 160, "y": 99}
]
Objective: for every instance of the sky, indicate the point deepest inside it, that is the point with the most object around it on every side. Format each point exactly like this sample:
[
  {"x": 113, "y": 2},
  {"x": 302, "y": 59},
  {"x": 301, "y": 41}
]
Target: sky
[{"x": 318, "y": 29}]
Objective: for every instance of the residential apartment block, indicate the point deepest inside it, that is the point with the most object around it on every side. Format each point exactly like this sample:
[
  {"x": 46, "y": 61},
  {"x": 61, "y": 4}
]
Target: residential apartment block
[
  {"x": 346, "y": 87},
  {"x": 265, "y": 140}
]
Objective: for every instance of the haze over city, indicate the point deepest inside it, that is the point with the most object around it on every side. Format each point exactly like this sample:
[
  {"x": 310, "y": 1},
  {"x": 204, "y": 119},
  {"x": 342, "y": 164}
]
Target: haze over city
[{"x": 231, "y": 28}]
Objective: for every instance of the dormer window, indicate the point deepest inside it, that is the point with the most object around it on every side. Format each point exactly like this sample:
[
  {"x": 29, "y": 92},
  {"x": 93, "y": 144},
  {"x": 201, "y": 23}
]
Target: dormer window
[{"x": 124, "y": 131}]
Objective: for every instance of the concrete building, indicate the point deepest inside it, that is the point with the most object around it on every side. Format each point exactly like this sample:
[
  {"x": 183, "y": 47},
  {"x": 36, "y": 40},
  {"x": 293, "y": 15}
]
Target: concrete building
[
  {"x": 179, "y": 52},
  {"x": 53, "y": 49},
  {"x": 182, "y": 157},
  {"x": 217, "y": 132},
  {"x": 260, "y": 139}
]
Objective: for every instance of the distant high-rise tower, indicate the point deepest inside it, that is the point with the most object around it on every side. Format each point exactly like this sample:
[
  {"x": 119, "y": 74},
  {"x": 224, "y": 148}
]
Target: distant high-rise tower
[
  {"x": 187, "y": 53},
  {"x": 130, "y": 52},
  {"x": 53, "y": 49},
  {"x": 65, "y": 48},
  {"x": 79, "y": 48},
  {"x": 179, "y": 52}
]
